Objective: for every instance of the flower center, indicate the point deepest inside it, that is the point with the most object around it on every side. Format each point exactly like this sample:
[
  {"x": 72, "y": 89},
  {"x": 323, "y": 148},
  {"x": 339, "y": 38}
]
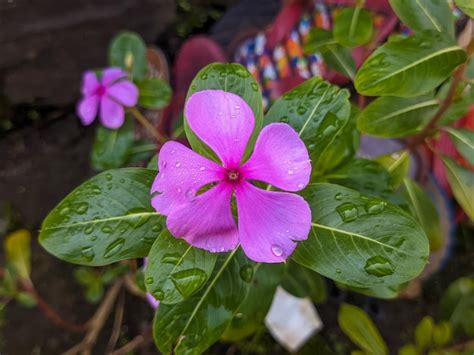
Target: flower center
[
  {"x": 100, "y": 90},
  {"x": 233, "y": 175}
]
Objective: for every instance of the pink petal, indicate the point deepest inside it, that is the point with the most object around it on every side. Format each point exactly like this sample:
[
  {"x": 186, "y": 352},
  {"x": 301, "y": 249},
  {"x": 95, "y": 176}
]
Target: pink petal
[
  {"x": 111, "y": 75},
  {"x": 111, "y": 113},
  {"x": 182, "y": 173},
  {"x": 223, "y": 121},
  {"x": 87, "y": 109},
  {"x": 90, "y": 83},
  {"x": 270, "y": 222},
  {"x": 280, "y": 158},
  {"x": 206, "y": 222},
  {"x": 125, "y": 92}
]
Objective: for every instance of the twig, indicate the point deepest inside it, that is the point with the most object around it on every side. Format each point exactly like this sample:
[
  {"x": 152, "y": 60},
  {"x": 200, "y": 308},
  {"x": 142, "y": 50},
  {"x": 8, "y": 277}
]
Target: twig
[
  {"x": 131, "y": 287},
  {"x": 49, "y": 312},
  {"x": 139, "y": 340},
  {"x": 119, "y": 308},
  {"x": 147, "y": 125},
  {"x": 96, "y": 323},
  {"x": 448, "y": 100}
]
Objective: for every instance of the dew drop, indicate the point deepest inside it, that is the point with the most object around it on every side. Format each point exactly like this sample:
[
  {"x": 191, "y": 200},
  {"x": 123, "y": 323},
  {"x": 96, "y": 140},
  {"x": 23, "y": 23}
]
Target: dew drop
[
  {"x": 378, "y": 266},
  {"x": 300, "y": 186},
  {"x": 338, "y": 271},
  {"x": 114, "y": 247},
  {"x": 188, "y": 281},
  {"x": 82, "y": 208},
  {"x": 106, "y": 229},
  {"x": 202, "y": 168},
  {"x": 179, "y": 190},
  {"x": 88, "y": 229},
  {"x": 149, "y": 280},
  {"x": 163, "y": 164},
  {"x": 348, "y": 212},
  {"x": 172, "y": 259},
  {"x": 190, "y": 194},
  {"x": 158, "y": 294},
  {"x": 178, "y": 164},
  {"x": 290, "y": 172},
  {"x": 375, "y": 206},
  {"x": 108, "y": 176},
  {"x": 87, "y": 253},
  {"x": 338, "y": 196},
  {"x": 301, "y": 110},
  {"x": 277, "y": 250},
  {"x": 203, "y": 76},
  {"x": 94, "y": 238},
  {"x": 64, "y": 211},
  {"x": 156, "y": 228},
  {"x": 246, "y": 273},
  {"x": 97, "y": 190},
  {"x": 284, "y": 119}
]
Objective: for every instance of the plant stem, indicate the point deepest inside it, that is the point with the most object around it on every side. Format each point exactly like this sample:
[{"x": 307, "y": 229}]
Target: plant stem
[
  {"x": 456, "y": 79},
  {"x": 147, "y": 125}
]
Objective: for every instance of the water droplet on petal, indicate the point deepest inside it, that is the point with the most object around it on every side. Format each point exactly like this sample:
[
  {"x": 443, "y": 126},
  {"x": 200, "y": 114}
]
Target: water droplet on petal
[
  {"x": 163, "y": 164},
  {"x": 190, "y": 194},
  {"x": 300, "y": 186},
  {"x": 277, "y": 250},
  {"x": 202, "y": 168},
  {"x": 178, "y": 164},
  {"x": 290, "y": 172}
]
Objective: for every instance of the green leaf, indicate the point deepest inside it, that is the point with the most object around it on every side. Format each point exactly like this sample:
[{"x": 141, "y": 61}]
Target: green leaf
[
  {"x": 111, "y": 148},
  {"x": 360, "y": 241},
  {"x": 358, "y": 326},
  {"x": 335, "y": 56},
  {"x": 421, "y": 15},
  {"x": 106, "y": 219},
  {"x": 411, "y": 66},
  {"x": 232, "y": 78},
  {"x": 396, "y": 116},
  {"x": 424, "y": 332},
  {"x": 175, "y": 270},
  {"x": 128, "y": 51},
  {"x": 462, "y": 182},
  {"x": 467, "y": 6},
  {"x": 397, "y": 164},
  {"x": 26, "y": 299},
  {"x": 366, "y": 176},
  {"x": 378, "y": 291},
  {"x": 457, "y": 306},
  {"x": 18, "y": 253},
  {"x": 342, "y": 148},
  {"x": 442, "y": 334},
  {"x": 464, "y": 141},
  {"x": 317, "y": 110},
  {"x": 426, "y": 213},
  {"x": 154, "y": 93},
  {"x": 409, "y": 349},
  {"x": 251, "y": 313},
  {"x": 353, "y": 26},
  {"x": 192, "y": 326},
  {"x": 303, "y": 282}
]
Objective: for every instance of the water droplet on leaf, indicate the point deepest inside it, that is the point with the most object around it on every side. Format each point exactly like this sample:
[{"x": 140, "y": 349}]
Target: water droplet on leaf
[
  {"x": 378, "y": 266},
  {"x": 113, "y": 248},
  {"x": 246, "y": 272},
  {"x": 188, "y": 281},
  {"x": 348, "y": 212}
]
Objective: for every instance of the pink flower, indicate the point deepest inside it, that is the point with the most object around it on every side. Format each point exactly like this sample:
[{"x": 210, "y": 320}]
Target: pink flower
[
  {"x": 269, "y": 222},
  {"x": 111, "y": 92}
]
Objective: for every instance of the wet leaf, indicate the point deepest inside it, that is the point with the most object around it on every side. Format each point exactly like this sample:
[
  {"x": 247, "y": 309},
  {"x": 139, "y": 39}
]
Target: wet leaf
[
  {"x": 360, "y": 241},
  {"x": 106, "y": 219}
]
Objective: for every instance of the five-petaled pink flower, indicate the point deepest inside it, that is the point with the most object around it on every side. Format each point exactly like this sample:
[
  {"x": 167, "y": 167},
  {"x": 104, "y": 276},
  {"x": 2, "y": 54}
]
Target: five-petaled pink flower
[
  {"x": 111, "y": 92},
  {"x": 269, "y": 222}
]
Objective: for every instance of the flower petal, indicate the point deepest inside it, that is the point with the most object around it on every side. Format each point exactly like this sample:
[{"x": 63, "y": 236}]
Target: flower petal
[
  {"x": 111, "y": 113},
  {"x": 223, "y": 121},
  {"x": 111, "y": 75},
  {"x": 206, "y": 222},
  {"x": 90, "y": 83},
  {"x": 182, "y": 173},
  {"x": 280, "y": 158},
  {"x": 87, "y": 109},
  {"x": 124, "y": 92},
  {"x": 270, "y": 222}
]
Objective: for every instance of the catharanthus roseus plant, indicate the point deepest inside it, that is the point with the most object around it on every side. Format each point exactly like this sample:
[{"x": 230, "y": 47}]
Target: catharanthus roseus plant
[
  {"x": 269, "y": 223},
  {"x": 217, "y": 214}
]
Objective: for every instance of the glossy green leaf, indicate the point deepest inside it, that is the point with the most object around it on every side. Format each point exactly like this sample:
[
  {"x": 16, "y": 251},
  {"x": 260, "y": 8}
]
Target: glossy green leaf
[
  {"x": 303, "y": 282},
  {"x": 335, "y": 56},
  {"x": 128, "y": 51},
  {"x": 18, "y": 253},
  {"x": 397, "y": 165},
  {"x": 251, "y": 313},
  {"x": 424, "y": 332},
  {"x": 457, "y": 306},
  {"x": 426, "y": 213},
  {"x": 358, "y": 326},
  {"x": 154, "y": 93},
  {"x": 396, "y": 116},
  {"x": 421, "y": 15},
  {"x": 232, "y": 78},
  {"x": 192, "y": 326},
  {"x": 360, "y": 241},
  {"x": 467, "y": 6},
  {"x": 366, "y": 176},
  {"x": 106, "y": 219},
  {"x": 410, "y": 66},
  {"x": 353, "y": 26},
  {"x": 112, "y": 147},
  {"x": 464, "y": 141},
  {"x": 342, "y": 148},
  {"x": 462, "y": 183},
  {"x": 175, "y": 270},
  {"x": 317, "y": 110}
]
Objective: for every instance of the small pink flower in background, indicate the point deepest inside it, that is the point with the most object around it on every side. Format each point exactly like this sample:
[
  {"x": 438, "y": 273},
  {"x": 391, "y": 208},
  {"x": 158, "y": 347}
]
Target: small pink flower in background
[
  {"x": 108, "y": 93},
  {"x": 269, "y": 222}
]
